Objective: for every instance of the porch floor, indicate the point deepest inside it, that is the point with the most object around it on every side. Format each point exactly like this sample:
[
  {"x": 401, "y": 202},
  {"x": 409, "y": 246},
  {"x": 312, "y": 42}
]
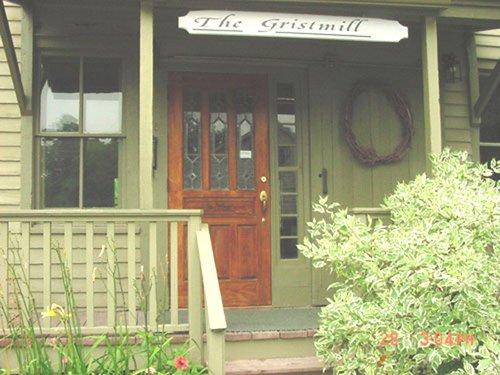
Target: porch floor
[
  {"x": 272, "y": 319},
  {"x": 265, "y": 318}
]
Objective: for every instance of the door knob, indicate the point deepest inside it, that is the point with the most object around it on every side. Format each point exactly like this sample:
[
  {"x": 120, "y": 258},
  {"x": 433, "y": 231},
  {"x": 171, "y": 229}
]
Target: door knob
[{"x": 263, "y": 199}]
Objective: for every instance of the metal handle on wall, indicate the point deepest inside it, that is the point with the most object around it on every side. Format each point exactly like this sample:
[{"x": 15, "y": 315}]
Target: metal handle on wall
[{"x": 324, "y": 179}]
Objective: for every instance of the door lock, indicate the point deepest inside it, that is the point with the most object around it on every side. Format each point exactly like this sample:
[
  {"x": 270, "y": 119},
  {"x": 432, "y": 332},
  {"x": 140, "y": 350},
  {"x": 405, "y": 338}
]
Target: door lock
[{"x": 263, "y": 199}]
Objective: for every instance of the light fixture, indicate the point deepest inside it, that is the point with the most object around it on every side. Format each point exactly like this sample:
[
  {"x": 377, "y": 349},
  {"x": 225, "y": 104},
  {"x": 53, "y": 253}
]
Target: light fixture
[{"x": 451, "y": 68}]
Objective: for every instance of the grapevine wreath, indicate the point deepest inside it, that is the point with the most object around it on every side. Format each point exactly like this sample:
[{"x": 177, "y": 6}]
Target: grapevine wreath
[{"x": 367, "y": 155}]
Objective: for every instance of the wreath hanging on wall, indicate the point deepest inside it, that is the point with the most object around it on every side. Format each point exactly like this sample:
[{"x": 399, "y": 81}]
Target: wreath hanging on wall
[{"x": 366, "y": 154}]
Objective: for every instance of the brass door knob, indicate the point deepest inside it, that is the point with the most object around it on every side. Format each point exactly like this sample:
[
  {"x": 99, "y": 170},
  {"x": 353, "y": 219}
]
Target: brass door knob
[{"x": 263, "y": 199}]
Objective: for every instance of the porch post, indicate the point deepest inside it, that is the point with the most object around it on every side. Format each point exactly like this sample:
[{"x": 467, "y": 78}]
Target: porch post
[
  {"x": 146, "y": 105},
  {"x": 430, "y": 69}
]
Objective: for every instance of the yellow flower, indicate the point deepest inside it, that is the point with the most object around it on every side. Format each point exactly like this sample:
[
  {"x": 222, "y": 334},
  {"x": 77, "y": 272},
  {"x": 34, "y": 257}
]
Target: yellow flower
[
  {"x": 55, "y": 311},
  {"x": 50, "y": 313}
]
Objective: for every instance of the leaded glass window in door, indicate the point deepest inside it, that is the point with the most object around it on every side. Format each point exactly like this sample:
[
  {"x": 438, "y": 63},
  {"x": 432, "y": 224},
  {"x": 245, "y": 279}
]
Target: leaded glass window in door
[
  {"x": 219, "y": 178},
  {"x": 245, "y": 141},
  {"x": 192, "y": 140},
  {"x": 219, "y": 139}
]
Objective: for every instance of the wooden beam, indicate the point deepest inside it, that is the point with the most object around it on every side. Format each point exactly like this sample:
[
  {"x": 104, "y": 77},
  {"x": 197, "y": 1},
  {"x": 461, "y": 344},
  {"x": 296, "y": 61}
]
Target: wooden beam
[
  {"x": 27, "y": 140},
  {"x": 10, "y": 53},
  {"x": 492, "y": 83},
  {"x": 146, "y": 105},
  {"x": 473, "y": 80},
  {"x": 430, "y": 69}
]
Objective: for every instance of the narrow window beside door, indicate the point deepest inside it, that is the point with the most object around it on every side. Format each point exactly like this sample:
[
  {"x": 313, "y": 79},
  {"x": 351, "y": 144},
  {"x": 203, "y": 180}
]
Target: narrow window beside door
[{"x": 288, "y": 170}]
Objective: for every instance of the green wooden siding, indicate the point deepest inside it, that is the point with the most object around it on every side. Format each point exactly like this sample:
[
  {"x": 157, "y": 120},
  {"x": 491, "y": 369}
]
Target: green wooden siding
[
  {"x": 455, "y": 112},
  {"x": 488, "y": 48},
  {"x": 10, "y": 121}
]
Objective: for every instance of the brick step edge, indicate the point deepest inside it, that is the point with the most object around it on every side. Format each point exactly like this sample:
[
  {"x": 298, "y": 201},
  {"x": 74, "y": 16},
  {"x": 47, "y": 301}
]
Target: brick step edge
[{"x": 275, "y": 366}]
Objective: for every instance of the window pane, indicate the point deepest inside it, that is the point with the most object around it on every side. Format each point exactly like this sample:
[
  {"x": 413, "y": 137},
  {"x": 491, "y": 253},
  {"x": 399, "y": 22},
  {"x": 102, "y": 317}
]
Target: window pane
[
  {"x": 288, "y": 248},
  {"x": 288, "y": 226},
  {"x": 288, "y": 182},
  {"x": 192, "y": 140},
  {"x": 287, "y": 134},
  {"x": 286, "y": 156},
  {"x": 59, "y": 99},
  {"x": 218, "y": 142},
  {"x": 60, "y": 162},
  {"x": 488, "y": 153},
  {"x": 246, "y": 172},
  {"x": 288, "y": 204},
  {"x": 100, "y": 169},
  {"x": 102, "y": 96}
]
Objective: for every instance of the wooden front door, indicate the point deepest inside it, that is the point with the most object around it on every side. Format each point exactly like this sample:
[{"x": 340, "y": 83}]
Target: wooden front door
[{"x": 218, "y": 149}]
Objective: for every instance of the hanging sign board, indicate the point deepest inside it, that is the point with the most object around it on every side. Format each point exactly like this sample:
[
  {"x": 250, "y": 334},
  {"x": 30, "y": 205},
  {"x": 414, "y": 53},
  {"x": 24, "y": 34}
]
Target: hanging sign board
[{"x": 279, "y": 25}]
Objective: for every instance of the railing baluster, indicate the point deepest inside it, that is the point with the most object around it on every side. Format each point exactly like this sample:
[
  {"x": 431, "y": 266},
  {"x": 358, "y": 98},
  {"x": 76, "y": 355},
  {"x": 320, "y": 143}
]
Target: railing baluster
[
  {"x": 68, "y": 246},
  {"x": 132, "y": 309},
  {"x": 153, "y": 276},
  {"x": 4, "y": 274},
  {"x": 89, "y": 260},
  {"x": 110, "y": 235},
  {"x": 194, "y": 289},
  {"x": 25, "y": 255},
  {"x": 47, "y": 268},
  {"x": 174, "y": 283}
]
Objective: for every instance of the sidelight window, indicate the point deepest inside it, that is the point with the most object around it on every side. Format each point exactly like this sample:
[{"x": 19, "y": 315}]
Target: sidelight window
[
  {"x": 288, "y": 170},
  {"x": 80, "y": 121}
]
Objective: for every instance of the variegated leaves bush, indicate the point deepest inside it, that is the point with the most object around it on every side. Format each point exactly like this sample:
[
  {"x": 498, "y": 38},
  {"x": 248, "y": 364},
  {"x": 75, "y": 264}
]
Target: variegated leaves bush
[{"x": 433, "y": 268}]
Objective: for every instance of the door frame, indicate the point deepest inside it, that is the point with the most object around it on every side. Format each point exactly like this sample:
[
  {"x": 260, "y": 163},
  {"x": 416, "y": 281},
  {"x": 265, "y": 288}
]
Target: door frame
[{"x": 283, "y": 293}]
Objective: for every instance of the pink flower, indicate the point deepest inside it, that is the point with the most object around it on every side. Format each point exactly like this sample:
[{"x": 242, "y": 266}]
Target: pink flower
[
  {"x": 65, "y": 360},
  {"x": 181, "y": 363}
]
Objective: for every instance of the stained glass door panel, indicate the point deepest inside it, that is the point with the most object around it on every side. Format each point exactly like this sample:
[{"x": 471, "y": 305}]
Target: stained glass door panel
[{"x": 218, "y": 133}]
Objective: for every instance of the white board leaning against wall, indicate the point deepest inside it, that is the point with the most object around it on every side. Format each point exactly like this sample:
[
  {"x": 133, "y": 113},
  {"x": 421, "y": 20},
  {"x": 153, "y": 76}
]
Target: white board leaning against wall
[{"x": 287, "y": 25}]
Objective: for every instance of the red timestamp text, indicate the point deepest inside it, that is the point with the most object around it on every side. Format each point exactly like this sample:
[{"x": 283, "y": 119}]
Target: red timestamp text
[{"x": 427, "y": 339}]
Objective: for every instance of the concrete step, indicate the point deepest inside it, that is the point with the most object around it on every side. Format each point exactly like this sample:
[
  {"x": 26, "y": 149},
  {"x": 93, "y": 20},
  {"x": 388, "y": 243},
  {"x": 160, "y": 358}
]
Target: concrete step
[{"x": 302, "y": 365}]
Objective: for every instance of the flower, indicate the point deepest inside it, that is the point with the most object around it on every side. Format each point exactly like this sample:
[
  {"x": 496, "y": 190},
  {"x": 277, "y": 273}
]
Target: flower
[
  {"x": 65, "y": 360},
  {"x": 50, "y": 313},
  {"x": 55, "y": 311},
  {"x": 181, "y": 363},
  {"x": 150, "y": 371}
]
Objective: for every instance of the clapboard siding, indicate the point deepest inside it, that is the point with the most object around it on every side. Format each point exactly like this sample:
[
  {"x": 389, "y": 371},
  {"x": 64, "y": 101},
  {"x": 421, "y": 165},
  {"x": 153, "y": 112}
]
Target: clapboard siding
[
  {"x": 10, "y": 121},
  {"x": 455, "y": 110},
  {"x": 488, "y": 48}
]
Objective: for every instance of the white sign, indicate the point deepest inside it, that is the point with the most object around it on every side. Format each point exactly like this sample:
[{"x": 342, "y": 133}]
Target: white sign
[
  {"x": 279, "y": 25},
  {"x": 245, "y": 154}
]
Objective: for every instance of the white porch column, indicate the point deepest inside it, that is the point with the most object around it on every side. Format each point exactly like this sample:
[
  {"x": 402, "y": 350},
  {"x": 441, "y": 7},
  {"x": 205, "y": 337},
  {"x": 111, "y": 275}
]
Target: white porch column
[
  {"x": 146, "y": 105},
  {"x": 432, "y": 108}
]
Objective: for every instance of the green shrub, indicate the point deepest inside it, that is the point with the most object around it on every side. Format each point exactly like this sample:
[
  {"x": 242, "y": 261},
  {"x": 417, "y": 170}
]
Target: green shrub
[{"x": 433, "y": 269}]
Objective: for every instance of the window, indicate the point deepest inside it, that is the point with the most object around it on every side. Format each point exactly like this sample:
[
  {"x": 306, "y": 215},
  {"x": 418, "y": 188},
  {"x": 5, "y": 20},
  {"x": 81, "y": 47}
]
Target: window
[
  {"x": 80, "y": 124},
  {"x": 287, "y": 170},
  {"x": 490, "y": 126}
]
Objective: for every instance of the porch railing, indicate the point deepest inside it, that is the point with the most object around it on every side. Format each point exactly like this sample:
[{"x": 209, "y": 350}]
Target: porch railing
[
  {"x": 215, "y": 319},
  {"x": 363, "y": 213},
  {"x": 129, "y": 247}
]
